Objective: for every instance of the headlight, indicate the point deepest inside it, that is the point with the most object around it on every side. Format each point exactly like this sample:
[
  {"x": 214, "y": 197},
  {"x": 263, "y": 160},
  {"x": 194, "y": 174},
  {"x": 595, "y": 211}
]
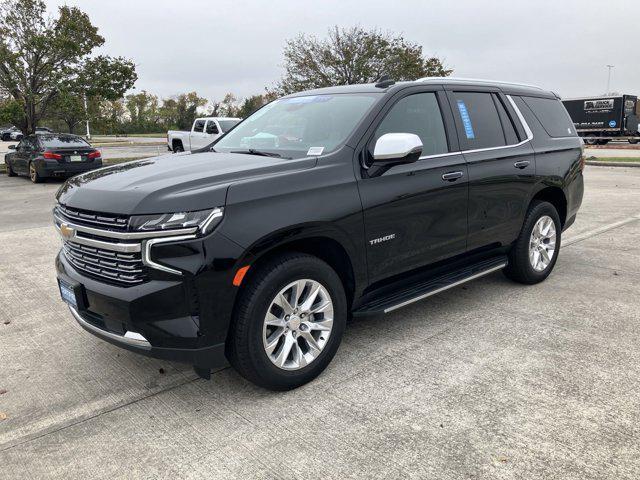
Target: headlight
[{"x": 205, "y": 220}]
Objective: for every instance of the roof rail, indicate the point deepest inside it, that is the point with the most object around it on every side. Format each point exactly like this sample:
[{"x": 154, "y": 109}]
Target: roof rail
[{"x": 478, "y": 80}]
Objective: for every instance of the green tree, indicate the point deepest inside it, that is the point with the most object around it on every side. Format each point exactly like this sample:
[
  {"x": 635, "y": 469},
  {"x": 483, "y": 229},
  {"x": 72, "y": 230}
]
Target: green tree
[
  {"x": 179, "y": 112},
  {"x": 10, "y": 112},
  {"x": 353, "y": 55},
  {"x": 42, "y": 56},
  {"x": 251, "y": 104},
  {"x": 228, "y": 107}
]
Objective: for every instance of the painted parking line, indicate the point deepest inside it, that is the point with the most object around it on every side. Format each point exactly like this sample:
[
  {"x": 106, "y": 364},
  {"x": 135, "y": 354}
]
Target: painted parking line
[{"x": 599, "y": 230}]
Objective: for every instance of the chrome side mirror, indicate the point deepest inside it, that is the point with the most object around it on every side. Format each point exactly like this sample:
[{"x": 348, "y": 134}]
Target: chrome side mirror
[{"x": 397, "y": 148}]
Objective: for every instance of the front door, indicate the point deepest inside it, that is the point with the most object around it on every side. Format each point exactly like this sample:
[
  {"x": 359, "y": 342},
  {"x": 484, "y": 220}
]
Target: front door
[
  {"x": 22, "y": 155},
  {"x": 198, "y": 135},
  {"x": 415, "y": 214},
  {"x": 501, "y": 165}
]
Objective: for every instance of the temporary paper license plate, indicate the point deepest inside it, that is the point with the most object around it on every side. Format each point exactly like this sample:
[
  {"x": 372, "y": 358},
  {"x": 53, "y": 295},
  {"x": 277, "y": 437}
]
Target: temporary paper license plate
[
  {"x": 76, "y": 158},
  {"x": 68, "y": 294}
]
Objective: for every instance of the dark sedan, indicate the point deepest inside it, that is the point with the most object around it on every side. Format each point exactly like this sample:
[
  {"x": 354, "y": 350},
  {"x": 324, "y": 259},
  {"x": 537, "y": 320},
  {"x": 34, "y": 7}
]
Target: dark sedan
[{"x": 51, "y": 155}]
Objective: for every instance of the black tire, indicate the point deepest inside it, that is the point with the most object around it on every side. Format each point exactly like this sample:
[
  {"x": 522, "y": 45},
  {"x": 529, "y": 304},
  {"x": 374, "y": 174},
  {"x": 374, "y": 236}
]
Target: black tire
[
  {"x": 33, "y": 174},
  {"x": 603, "y": 142},
  {"x": 520, "y": 268},
  {"x": 633, "y": 141},
  {"x": 245, "y": 348},
  {"x": 10, "y": 172},
  {"x": 590, "y": 140},
  {"x": 6, "y": 137},
  {"x": 177, "y": 147}
]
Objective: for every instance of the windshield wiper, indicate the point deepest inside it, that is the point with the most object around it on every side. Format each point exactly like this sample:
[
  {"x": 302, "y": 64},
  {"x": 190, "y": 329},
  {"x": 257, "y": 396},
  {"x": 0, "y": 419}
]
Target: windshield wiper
[{"x": 253, "y": 151}]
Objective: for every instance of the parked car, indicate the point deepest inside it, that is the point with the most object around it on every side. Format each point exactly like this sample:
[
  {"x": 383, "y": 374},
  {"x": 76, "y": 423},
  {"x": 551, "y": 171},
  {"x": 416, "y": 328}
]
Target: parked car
[
  {"x": 10, "y": 133},
  {"x": 203, "y": 131},
  {"x": 43, "y": 130},
  {"x": 5, "y": 133},
  {"x": 322, "y": 205},
  {"x": 51, "y": 155}
]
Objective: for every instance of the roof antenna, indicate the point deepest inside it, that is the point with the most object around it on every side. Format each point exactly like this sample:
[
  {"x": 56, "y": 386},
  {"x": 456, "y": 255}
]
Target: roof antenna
[{"x": 384, "y": 81}]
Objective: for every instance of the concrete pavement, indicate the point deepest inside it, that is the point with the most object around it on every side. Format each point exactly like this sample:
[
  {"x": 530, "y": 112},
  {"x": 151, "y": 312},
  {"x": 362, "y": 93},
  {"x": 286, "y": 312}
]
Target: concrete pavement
[{"x": 492, "y": 380}]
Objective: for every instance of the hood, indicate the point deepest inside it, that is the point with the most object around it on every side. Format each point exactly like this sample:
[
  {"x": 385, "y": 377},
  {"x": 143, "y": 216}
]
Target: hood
[{"x": 169, "y": 183}]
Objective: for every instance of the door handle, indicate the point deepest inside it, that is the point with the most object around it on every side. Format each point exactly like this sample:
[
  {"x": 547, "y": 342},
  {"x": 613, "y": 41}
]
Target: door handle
[
  {"x": 522, "y": 164},
  {"x": 451, "y": 176}
]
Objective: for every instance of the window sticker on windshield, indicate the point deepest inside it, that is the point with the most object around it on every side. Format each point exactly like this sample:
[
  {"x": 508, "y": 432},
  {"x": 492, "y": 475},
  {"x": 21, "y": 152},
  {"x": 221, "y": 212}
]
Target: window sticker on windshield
[
  {"x": 315, "y": 151},
  {"x": 466, "y": 119}
]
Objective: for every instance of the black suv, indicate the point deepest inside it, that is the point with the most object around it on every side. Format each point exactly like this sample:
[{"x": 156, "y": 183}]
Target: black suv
[{"x": 322, "y": 205}]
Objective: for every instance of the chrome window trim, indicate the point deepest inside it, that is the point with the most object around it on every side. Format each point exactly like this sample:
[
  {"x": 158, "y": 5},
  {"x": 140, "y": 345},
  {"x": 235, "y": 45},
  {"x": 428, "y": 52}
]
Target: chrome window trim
[
  {"x": 524, "y": 123},
  {"x": 146, "y": 252},
  {"x": 129, "y": 338},
  {"x": 125, "y": 235}
]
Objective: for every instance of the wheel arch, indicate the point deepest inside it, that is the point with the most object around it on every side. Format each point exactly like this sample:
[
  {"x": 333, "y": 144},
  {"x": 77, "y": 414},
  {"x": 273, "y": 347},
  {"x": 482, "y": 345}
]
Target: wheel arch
[
  {"x": 326, "y": 244},
  {"x": 556, "y": 197}
]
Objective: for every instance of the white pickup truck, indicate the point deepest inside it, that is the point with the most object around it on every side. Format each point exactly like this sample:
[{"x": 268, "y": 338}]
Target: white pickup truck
[{"x": 203, "y": 131}]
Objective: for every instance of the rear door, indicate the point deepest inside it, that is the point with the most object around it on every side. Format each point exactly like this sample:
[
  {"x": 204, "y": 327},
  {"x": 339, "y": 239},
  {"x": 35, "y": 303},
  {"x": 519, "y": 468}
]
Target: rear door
[
  {"x": 415, "y": 214},
  {"x": 501, "y": 164}
]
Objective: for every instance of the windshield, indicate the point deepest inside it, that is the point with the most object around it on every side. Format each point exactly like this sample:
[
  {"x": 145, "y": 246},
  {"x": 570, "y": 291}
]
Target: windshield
[
  {"x": 62, "y": 141},
  {"x": 227, "y": 125},
  {"x": 299, "y": 126}
]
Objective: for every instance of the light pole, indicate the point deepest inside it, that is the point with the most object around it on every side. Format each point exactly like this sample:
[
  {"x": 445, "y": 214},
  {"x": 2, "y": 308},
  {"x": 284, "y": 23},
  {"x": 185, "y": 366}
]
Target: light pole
[
  {"x": 86, "y": 113},
  {"x": 609, "y": 79}
]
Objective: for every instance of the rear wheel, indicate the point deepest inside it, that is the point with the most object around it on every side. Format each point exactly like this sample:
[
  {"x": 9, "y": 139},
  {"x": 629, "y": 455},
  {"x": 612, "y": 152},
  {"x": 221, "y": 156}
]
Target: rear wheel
[
  {"x": 590, "y": 139},
  {"x": 288, "y": 323},
  {"x": 33, "y": 174},
  {"x": 177, "y": 147},
  {"x": 633, "y": 141},
  {"x": 535, "y": 252}
]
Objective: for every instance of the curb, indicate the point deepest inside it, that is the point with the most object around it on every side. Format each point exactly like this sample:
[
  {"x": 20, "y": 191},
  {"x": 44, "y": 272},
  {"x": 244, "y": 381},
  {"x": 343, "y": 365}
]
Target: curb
[{"x": 612, "y": 164}]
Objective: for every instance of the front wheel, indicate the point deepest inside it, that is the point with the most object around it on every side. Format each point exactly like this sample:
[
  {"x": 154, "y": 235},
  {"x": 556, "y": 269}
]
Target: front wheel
[
  {"x": 10, "y": 172},
  {"x": 535, "y": 252},
  {"x": 288, "y": 323}
]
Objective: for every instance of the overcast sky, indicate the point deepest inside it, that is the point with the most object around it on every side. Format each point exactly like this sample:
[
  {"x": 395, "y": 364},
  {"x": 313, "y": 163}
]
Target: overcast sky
[{"x": 220, "y": 46}]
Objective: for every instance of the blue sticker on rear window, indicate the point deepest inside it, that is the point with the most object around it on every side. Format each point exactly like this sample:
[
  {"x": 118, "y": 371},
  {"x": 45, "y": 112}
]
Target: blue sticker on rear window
[{"x": 466, "y": 119}]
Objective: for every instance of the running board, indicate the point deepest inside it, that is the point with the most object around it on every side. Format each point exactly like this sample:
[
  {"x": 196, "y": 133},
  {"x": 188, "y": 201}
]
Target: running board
[{"x": 421, "y": 290}]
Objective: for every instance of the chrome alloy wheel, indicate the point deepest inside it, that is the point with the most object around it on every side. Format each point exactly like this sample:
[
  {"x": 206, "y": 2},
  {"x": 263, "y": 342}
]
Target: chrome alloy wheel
[
  {"x": 542, "y": 244},
  {"x": 298, "y": 324},
  {"x": 33, "y": 174}
]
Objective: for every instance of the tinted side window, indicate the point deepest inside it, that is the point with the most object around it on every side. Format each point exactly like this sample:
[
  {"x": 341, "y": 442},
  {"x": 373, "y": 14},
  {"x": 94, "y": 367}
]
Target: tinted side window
[
  {"x": 477, "y": 120},
  {"x": 507, "y": 123},
  {"x": 418, "y": 114},
  {"x": 552, "y": 115},
  {"x": 198, "y": 126},
  {"x": 212, "y": 128}
]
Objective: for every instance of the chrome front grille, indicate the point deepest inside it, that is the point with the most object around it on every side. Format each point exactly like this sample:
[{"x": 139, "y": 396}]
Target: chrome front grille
[
  {"x": 92, "y": 219},
  {"x": 118, "y": 267},
  {"x": 101, "y": 246}
]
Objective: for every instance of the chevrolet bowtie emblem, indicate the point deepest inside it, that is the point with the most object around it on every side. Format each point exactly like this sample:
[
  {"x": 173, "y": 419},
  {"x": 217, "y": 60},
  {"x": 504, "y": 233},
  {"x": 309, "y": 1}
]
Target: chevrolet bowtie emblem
[{"x": 66, "y": 231}]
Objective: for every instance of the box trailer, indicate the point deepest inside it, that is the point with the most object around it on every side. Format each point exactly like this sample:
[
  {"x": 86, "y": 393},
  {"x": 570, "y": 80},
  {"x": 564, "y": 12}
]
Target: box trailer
[{"x": 601, "y": 119}]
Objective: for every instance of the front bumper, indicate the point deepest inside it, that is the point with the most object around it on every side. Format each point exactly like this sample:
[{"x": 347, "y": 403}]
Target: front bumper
[
  {"x": 211, "y": 357},
  {"x": 183, "y": 318}
]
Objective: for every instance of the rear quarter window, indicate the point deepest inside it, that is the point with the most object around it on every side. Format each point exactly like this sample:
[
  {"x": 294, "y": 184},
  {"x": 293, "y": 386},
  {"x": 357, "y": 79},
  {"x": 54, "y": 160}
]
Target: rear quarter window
[{"x": 552, "y": 116}]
